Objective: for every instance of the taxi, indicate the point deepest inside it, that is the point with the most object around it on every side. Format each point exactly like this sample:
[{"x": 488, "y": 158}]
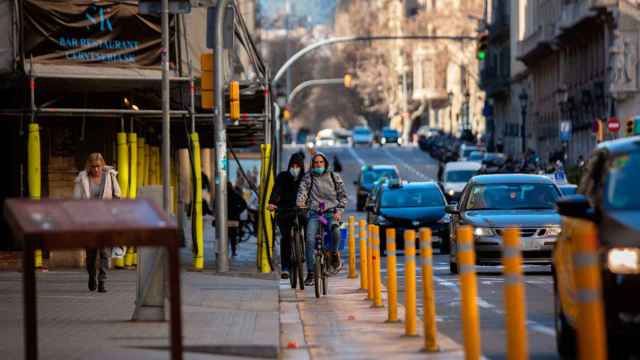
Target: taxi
[{"x": 609, "y": 197}]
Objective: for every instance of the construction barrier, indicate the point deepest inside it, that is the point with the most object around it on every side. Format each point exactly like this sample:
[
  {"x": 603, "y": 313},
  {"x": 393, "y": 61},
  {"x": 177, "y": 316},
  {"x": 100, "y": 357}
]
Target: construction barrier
[
  {"x": 147, "y": 164},
  {"x": 371, "y": 286},
  {"x": 429, "y": 299},
  {"x": 514, "y": 297},
  {"x": 469, "y": 308},
  {"x": 123, "y": 181},
  {"x": 265, "y": 226},
  {"x": 352, "y": 248},
  {"x": 410, "y": 282},
  {"x": 392, "y": 277},
  {"x": 377, "y": 278},
  {"x": 364, "y": 279},
  {"x": 34, "y": 175},
  {"x": 590, "y": 320},
  {"x": 196, "y": 212}
]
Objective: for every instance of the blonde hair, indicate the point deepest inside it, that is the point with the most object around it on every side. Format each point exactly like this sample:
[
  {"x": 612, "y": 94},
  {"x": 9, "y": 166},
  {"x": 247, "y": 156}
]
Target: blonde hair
[{"x": 93, "y": 157}]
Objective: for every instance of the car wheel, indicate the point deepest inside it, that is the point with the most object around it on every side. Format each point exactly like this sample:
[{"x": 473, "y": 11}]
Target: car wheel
[
  {"x": 445, "y": 246},
  {"x": 565, "y": 334},
  {"x": 360, "y": 203},
  {"x": 453, "y": 266}
]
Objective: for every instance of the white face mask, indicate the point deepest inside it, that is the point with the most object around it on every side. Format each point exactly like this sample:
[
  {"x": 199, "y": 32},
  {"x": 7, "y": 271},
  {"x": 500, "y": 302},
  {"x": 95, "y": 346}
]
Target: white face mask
[{"x": 294, "y": 171}]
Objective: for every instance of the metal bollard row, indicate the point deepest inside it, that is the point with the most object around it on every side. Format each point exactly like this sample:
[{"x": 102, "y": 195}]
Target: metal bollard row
[
  {"x": 352, "y": 248},
  {"x": 364, "y": 279}
]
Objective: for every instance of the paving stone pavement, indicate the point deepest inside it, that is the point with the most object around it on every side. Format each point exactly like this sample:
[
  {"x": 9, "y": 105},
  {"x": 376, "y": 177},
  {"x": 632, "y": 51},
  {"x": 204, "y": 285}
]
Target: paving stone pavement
[{"x": 230, "y": 316}]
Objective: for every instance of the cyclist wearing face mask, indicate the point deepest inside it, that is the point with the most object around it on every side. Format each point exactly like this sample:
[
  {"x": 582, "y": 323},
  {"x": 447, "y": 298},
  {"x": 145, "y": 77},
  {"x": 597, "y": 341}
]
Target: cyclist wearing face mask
[
  {"x": 322, "y": 192},
  {"x": 283, "y": 198}
]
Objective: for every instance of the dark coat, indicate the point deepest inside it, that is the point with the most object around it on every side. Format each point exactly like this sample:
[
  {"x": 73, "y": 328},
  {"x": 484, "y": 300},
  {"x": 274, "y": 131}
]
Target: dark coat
[{"x": 286, "y": 186}]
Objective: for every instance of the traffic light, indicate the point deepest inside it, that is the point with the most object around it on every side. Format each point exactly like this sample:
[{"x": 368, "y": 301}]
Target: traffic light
[
  {"x": 483, "y": 42},
  {"x": 347, "y": 81},
  {"x": 234, "y": 101},
  {"x": 630, "y": 127},
  {"x": 286, "y": 114},
  {"x": 206, "y": 82}
]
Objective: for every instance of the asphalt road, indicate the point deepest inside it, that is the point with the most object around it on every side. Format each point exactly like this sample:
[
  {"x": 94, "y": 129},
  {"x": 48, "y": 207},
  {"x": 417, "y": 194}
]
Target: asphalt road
[{"x": 415, "y": 165}]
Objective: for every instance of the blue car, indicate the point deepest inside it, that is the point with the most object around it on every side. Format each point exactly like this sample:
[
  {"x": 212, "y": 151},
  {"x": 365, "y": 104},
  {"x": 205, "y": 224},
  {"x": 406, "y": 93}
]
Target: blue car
[
  {"x": 411, "y": 206},
  {"x": 389, "y": 136},
  {"x": 369, "y": 175}
]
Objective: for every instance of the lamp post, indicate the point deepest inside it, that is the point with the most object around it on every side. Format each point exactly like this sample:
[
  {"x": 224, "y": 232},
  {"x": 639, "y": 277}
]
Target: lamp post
[
  {"x": 450, "y": 98},
  {"x": 524, "y": 102}
]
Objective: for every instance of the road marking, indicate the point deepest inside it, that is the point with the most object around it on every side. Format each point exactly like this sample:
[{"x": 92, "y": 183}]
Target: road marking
[
  {"x": 356, "y": 156},
  {"x": 542, "y": 329},
  {"x": 406, "y": 165}
]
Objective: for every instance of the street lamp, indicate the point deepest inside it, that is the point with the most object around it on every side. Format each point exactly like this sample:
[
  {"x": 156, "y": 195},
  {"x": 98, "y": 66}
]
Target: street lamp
[
  {"x": 450, "y": 98},
  {"x": 524, "y": 102}
]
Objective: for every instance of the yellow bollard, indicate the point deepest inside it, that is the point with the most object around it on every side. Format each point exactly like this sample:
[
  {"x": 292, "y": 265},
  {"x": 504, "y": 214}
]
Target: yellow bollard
[
  {"x": 410, "y": 283},
  {"x": 377, "y": 279},
  {"x": 392, "y": 277},
  {"x": 132, "y": 140},
  {"x": 514, "y": 299},
  {"x": 364, "y": 279},
  {"x": 429, "y": 299},
  {"x": 370, "y": 287},
  {"x": 352, "y": 248},
  {"x": 469, "y": 309},
  {"x": 197, "y": 226},
  {"x": 147, "y": 164},
  {"x": 590, "y": 320},
  {"x": 140, "y": 163},
  {"x": 123, "y": 181},
  {"x": 34, "y": 175}
]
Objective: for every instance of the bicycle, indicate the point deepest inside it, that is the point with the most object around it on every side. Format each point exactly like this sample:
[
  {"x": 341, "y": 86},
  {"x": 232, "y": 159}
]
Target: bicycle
[
  {"x": 322, "y": 266},
  {"x": 296, "y": 271}
]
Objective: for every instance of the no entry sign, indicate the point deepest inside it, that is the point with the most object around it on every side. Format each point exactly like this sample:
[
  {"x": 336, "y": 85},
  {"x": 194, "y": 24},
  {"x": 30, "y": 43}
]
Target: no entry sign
[{"x": 613, "y": 124}]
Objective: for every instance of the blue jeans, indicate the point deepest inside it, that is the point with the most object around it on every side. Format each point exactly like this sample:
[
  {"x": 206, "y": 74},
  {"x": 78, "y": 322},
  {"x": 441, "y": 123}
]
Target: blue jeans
[{"x": 313, "y": 226}]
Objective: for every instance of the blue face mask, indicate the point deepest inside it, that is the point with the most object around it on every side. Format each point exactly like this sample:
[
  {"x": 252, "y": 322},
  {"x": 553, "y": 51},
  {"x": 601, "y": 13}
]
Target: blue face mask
[{"x": 318, "y": 171}]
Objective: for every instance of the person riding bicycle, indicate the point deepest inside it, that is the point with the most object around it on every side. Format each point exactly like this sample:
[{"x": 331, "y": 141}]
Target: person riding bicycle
[
  {"x": 283, "y": 196},
  {"x": 322, "y": 190}
]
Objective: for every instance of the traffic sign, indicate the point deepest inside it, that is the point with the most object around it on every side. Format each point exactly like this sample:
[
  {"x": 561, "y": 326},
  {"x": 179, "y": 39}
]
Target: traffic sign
[
  {"x": 613, "y": 124},
  {"x": 565, "y": 130}
]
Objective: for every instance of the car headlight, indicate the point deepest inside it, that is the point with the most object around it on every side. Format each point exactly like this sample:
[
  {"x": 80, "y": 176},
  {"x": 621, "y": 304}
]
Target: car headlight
[
  {"x": 554, "y": 231},
  {"x": 383, "y": 140},
  {"x": 624, "y": 261},
  {"x": 451, "y": 192},
  {"x": 381, "y": 220},
  {"x": 482, "y": 231}
]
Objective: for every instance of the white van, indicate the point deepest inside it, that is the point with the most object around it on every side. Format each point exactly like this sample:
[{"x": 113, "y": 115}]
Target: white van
[{"x": 455, "y": 177}]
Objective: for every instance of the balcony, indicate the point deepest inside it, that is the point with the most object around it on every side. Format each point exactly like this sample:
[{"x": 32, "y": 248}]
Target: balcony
[
  {"x": 493, "y": 82},
  {"x": 540, "y": 42},
  {"x": 499, "y": 26},
  {"x": 574, "y": 14}
]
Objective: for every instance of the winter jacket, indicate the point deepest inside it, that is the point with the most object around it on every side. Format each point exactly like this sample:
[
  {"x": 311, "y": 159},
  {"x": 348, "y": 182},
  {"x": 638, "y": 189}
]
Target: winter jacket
[
  {"x": 327, "y": 188},
  {"x": 286, "y": 186},
  {"x": 82, "y": 188}
]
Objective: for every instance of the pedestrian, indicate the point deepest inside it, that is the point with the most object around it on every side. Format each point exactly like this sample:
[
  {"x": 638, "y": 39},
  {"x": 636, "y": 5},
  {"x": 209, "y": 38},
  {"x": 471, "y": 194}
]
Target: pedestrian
[
  {"x": 235, "y": 206},
  {"x": 283, "y": 199},
  {"x": 97, "y": 182},
  {"x": 337, "y": 165}
]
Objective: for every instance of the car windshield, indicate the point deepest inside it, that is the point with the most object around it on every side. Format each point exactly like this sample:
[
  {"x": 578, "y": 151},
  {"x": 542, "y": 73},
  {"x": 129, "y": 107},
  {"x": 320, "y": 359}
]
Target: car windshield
[
  {"x": 371, "y": 176},
  {"x": 476, "y": 155},
  {"x": 621, "y": 191},
  {"x": 568, "y": 190},
  {"x": 459, "y": 175},
  {"x": 389, "y": 132},
  {"x": 512, "y": 197},
  {"x": 361, "y": 131},
  {"x": 468, "y": 151},
  {"x": 404, "y": 198}
]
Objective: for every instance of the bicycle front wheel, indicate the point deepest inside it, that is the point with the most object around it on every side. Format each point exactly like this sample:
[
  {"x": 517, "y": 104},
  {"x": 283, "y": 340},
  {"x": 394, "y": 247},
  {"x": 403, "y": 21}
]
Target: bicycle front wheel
[{"x": 317, "y": 275}]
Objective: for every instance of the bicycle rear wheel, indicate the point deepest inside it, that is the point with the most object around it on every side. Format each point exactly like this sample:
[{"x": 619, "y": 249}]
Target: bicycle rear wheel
[
  {"x": 316, "y": 276},
  {"x": 293, "y": 276}
]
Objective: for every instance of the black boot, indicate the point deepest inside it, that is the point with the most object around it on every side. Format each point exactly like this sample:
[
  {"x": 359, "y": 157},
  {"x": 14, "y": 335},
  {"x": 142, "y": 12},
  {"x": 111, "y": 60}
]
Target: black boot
[
  {"x": 309, "y": 280},
  {"x": 101, "y": 287},
  {"x": 92, "y": 283}
]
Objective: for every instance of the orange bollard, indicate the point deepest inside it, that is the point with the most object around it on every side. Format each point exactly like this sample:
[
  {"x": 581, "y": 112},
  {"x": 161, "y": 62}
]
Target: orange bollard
[
  {"x": 392, "y": 277},
  {"x": 352, "y": 248},
  {"x": 410, "y": 283},
  {"x": 370, "y": 287},
  {"x": 514, "y": 299},
  {"x": 364, "y": 279},
  {"x": 377, "y": 278},
  {"x": 592, "y": 343},
  {"x": 429, "y": 299},
  {"x": 469, "y": 308}
]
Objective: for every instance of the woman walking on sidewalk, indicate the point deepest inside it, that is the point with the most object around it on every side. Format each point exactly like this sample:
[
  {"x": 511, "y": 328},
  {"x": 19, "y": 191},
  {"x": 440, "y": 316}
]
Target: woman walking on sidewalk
[{"x": 97, "y": 182}]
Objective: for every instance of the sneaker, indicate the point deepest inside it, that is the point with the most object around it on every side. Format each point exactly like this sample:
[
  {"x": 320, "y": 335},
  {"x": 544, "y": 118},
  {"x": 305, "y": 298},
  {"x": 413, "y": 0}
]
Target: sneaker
[
  {"x": 336, "y": 261},
  {"x": 101, "y": 287},
  {"x": 284, "y": 275},
  {"x": 309, "y": 281},
  {"x": 92, "y": 283}
]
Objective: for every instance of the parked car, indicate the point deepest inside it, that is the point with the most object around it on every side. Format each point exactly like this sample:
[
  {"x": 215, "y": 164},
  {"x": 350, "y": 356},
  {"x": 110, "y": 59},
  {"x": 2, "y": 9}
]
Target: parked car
[
  {"x": 568, "y": 189},
  {"x": 325, "y": 138},
  {"x": 492, "y": 163},
  {"x": 608, "y": 197},
  {"x": 389, "y": 136},
  {"x": 362, "y": 136},
  {"x": 491, "y": 203},
  {"x": 369, "y": 174},
  {"x": 455, "y": 177},
  {"x": 466, "y": 150},
  {"x": 411, "y": 206},
  {"x": 476, "y": 156}
]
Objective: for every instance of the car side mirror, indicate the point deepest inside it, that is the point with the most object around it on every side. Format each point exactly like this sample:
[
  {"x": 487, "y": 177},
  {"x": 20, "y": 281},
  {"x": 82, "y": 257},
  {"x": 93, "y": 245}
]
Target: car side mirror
[
  {"x": 452, "y": 209},
  {"x": 576, "y": 206},
  {"x": 355, "y": 183}
]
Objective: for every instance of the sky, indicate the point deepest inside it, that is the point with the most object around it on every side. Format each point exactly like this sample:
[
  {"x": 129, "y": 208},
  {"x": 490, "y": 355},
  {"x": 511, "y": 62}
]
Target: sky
[{"x": 315, "y": 11}]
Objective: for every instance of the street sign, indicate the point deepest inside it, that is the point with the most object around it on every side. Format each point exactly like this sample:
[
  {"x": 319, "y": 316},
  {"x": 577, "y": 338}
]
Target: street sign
[
  {"x": 613, "y": 124},
  {"x": 565, "y": 130}
]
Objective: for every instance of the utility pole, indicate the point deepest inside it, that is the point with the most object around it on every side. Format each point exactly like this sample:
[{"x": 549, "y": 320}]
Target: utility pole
[
  {"x": 220, "y": 136},
  {"x": 166, "y": 125},
  {"x": 287, "y": 9}
]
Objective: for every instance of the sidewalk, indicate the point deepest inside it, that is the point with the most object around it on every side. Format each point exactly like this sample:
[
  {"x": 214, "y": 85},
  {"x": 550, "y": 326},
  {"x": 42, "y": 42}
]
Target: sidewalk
[
  {"x": 230, "y": 316},
  {"x": 343, "y": 325}
]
